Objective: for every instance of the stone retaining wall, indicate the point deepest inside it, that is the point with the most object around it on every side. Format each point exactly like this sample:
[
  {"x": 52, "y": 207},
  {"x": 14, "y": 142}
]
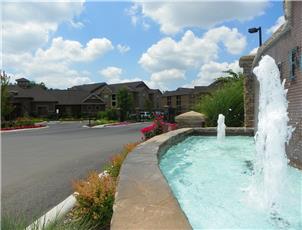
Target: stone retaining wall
[{"x": 144, "y": 199}]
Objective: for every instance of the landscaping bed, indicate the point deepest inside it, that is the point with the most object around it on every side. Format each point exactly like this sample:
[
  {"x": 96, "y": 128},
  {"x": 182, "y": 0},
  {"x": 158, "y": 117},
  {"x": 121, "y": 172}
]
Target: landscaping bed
[
  {"x": 22, "y": 127},
  {"x": 22, "y": 123},
  {"x": 94, "y": 195}
]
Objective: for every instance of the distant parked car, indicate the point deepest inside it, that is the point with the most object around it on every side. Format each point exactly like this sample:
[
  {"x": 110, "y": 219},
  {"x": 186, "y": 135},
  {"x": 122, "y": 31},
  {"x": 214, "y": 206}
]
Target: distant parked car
[
  {"x": 158, "y": 113},
  {"x": 145, "y": 115}
]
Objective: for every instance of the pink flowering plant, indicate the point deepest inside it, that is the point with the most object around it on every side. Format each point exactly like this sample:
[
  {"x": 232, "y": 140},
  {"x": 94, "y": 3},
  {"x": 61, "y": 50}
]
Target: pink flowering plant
[{"x": 157, "y": 127}]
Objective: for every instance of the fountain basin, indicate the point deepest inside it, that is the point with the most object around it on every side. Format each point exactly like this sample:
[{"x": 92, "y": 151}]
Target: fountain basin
[
  {"x": 144, "y": 198},
  {"x": 210, "y": 180}
]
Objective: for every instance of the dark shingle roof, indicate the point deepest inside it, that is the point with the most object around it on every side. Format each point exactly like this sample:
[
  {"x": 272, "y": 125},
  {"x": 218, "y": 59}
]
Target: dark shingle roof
[
  {"x": 202, "y": 89},
  {"x": 22, "y": 79},
  {"x": 70, "y": 97},
  {"x": 62, "y": 97},
  {"x": 88, "y": 87},
  {"x": 179, "y": 91},
  {"x": 155, "y": 91},
  {"x": 37, "y": 93},
  {"x": 185, "y": 91},
  {"x": 132, "y": 86}
]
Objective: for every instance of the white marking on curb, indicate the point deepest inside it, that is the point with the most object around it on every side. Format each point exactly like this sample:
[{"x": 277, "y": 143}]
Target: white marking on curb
[
  {"x": 58, "y": 211},
  {"x": 54, "y": 213}
]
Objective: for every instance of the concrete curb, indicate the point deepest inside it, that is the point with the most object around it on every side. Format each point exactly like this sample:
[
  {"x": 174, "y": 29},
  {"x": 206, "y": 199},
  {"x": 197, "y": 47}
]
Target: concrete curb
[
  {"x": 56, "y": 212},
  {"x": 19, "y": 130},
  {"x": 113, "y": 125}
]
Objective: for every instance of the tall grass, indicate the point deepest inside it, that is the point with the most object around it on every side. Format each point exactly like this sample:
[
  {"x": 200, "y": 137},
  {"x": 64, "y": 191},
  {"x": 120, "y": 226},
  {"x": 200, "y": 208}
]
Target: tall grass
[
  {"x": 9, "y": 222},
  {"x": 227, "y": 100}
]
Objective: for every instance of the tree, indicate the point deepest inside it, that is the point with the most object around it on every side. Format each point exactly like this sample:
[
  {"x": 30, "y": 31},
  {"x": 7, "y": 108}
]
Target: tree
[
  {"x": 33, "y": 83},
  {"x": 125, "y": 103},
  {"x": 6, "y": 107},
  {"x": 227, "y": 100},
  {"x": 148, "y": 105}
]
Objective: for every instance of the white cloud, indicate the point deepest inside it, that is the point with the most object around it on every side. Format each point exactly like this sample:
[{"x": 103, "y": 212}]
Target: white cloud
[
  {"x": 280, "y": 21},
  {"x": 173, "y": 16},
  {"x": 68, "y": 50},
  {"x": 28, "y": 25},
  {"x": 165, "y": 77},
  {"x": 123, "y": 48},
  {"x": 168, "y": 75},
  {"x": 254, "y": 51},
  {"x": 114, "y": 75},
  {"x": 169, "y": 59},
  {"x": 212, "y": 70},
  {"x": 191, "y": 51},
  {"x": 55, "y": 65},
  {"x": 111, "y": 72}
]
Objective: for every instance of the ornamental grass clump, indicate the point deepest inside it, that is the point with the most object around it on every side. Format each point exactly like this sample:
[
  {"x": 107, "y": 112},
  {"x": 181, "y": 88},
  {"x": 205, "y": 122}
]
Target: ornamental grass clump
[
  {"x": 95, "y": 194},
  {"x": 95, "y": 198},
  {"x": 113, "y": 169}
]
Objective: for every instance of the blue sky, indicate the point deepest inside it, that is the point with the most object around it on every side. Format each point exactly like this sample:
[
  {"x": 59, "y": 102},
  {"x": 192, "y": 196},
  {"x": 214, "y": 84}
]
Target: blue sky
[{"x": 166, "y": 44}]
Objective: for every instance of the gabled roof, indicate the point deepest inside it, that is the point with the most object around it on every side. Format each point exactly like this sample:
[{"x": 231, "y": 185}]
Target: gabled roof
[
  {"x": 155, "y": 91},
  {"x": 88, "y": 87},
  {"x": 186, "y": 91},
  {"x": 92, "y": 97},
  {"x": 203, "y": 89},
  {"x": 22, "y": 79},
  {"x": 179, "y": 91},
  {"x": 132, "y": 86},
  {"x": 71, "y": 97},
  {"x": 37, "y": 93}
]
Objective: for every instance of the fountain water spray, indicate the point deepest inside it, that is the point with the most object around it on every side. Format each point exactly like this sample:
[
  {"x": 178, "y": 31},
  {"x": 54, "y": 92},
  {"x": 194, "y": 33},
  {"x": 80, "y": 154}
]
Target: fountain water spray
[
  {"x": 220, "y": 127},
  {"x": 271, "y": 137}
]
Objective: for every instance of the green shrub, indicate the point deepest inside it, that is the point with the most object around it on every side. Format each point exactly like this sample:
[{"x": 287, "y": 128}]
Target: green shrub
[
  {"x": 227, "y": 100},
  {"x": 24, "y": 121},
  {"x": 104, "y": 121},
  {"x": 109, "y": 114}
]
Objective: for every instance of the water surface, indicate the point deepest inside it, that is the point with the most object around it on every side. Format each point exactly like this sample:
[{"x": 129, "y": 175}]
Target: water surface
[{"x": 209, "y": 179}]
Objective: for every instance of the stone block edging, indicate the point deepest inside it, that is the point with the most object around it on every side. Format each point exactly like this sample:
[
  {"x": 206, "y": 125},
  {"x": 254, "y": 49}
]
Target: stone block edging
[{"x": 143, "y": 198}]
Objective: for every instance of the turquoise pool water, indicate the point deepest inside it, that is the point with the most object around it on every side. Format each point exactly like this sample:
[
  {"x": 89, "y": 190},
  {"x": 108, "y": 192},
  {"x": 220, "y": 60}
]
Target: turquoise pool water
[{"x": 209, "y": 180}]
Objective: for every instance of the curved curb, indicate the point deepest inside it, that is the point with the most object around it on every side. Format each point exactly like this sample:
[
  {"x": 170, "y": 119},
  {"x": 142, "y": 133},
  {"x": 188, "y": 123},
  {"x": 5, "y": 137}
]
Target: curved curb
[{"x": 144, "y": 199}]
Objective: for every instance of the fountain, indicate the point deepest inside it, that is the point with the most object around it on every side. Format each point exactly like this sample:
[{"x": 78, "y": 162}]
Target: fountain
[
  {"x": 220, "y": 127},
  {"x": 208, "y": 178},
  {"x": 272, "y": 134}
]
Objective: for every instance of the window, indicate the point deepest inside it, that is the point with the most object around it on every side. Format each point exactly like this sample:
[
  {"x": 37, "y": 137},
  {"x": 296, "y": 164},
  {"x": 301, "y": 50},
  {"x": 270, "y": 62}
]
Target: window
[
  {"x": 178, "y": 100},
  {"x": 169, "y": 100},
  {"x": 293, "y": 62},
  {"x": 113, "y": 100}
]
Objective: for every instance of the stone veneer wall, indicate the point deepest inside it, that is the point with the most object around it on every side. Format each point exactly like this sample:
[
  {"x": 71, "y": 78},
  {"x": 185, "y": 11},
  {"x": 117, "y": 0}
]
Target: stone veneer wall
[
  {"x": 246, "y": 63},
  {"x": 143, "y": 197}
]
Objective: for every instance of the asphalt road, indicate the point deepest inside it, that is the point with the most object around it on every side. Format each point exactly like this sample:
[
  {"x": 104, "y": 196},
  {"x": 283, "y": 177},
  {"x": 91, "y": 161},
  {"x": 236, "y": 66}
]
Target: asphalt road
[{"x": 38, "y": 166}]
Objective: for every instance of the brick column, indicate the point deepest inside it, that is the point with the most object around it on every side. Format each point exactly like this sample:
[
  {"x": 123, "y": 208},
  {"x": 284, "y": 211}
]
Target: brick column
[{"x": 246, "y": 62}]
